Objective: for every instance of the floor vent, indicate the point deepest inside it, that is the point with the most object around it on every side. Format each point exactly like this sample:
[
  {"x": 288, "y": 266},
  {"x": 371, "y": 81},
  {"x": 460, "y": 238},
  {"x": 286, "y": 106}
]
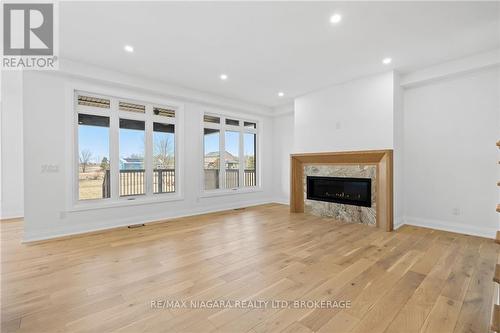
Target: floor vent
[{"x": 133, "y": 226}]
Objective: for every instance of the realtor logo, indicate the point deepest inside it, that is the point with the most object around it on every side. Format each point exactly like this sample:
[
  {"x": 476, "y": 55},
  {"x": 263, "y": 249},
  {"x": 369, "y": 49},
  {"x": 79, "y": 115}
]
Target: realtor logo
[{"x": 28, "y": 36}]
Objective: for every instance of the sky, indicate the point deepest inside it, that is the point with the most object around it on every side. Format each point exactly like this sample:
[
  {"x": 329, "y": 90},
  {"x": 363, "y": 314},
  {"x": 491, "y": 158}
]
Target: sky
[
  {"x": 96, "y": 139},
  {"x": 232, "y": 143}
]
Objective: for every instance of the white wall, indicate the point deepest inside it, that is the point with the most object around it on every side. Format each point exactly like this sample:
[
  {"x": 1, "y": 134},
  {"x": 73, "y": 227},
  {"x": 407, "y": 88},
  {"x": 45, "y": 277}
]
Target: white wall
[
  {"x": 398, "y": 153},
  {"x": 12, "y": 203},
  {"x": 363, "y": 114},
  {"x": 450, "y": 158},
  {"x": 46, "y": 195},
  {"x": 357, "y": 115},
  {"x": 446, "y": 131},
  {"x": 442, "y": 128},
  {"x": 283, "y": 134}
]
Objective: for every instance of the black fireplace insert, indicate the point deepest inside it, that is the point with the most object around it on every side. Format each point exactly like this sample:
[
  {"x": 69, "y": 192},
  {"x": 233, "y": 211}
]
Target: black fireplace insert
[{"x": 350, "y": 191}]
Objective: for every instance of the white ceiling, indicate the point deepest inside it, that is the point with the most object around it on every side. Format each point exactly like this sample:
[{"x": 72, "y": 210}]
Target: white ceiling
[{"x": 266, "y": 47}]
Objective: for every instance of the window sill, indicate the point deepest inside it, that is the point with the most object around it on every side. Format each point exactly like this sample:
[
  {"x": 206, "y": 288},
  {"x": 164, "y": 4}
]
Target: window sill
[
  {"x": 125, "y": 202},
  {"x": 226, "y": 192}
]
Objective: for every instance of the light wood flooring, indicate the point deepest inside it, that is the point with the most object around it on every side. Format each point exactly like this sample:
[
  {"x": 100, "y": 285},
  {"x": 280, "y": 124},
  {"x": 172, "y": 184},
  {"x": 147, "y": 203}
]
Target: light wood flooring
[{"x": 411, "y": 280}]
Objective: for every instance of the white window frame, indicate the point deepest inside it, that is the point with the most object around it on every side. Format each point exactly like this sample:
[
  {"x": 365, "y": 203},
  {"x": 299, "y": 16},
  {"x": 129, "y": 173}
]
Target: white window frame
[
  {"x": 222, "y": 127},
  {"x": 114, "y": 114}
]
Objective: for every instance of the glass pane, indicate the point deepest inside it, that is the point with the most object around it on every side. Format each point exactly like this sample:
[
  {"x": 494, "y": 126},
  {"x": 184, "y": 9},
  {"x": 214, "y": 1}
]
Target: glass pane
[
  {"x": 93, "y": 101},
  {"x": 250, "y": 162},
  {"x": 163, "y": 158},
  {"x": 211, "y": 119},
  {"x": 211, "y": 163},
  {"x": 131, "y": 157},
  {"x": 232, "y": 159},
  {"x": 248, "y": 124},
  {"x": 131, "y": 107},
  {"x": 93, "y": 151},
  {"x": 232, "y": 122},
  {"x": 164, "y": 112}
]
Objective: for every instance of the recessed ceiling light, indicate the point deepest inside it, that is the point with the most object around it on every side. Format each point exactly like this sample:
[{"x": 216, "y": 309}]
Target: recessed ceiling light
[
  {"x": 223, "y": 77},
  {"x": 386, "y": 61},
  {"x": 335, "y": 18},
  {"x": 128, "y": 48},
  {"x": 281, "y": 94}
]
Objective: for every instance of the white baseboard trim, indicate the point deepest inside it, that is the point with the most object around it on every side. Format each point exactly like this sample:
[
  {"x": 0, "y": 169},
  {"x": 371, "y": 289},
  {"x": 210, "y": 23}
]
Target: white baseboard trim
[
  {"x": 78, "y": 230},
  {"x": 11, "y": 215},
  {"x": 449, "y": 226},
  {"x": 398, "y": 223},
  {"x": 408, "y": 220},
  {"x": 283, "y": 201}
]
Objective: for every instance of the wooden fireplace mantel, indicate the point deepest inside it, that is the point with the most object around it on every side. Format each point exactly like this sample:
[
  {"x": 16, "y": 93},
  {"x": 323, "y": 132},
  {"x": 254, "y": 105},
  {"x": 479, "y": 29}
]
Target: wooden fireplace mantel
[{"x": 382, "y": 159}]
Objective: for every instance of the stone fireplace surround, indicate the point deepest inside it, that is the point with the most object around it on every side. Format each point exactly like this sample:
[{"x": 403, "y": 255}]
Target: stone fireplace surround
[
  {"x": 375, "y": 164},
  {"x": 342, "y": 212}
]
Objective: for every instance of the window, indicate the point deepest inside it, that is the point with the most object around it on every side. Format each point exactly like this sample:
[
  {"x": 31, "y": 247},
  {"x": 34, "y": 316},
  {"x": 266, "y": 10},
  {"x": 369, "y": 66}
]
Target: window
[
  {"x": 132, "y": 157},
  {"x": 163, "y": 158},
  {"x": 211, "y": 158},
  {"x": 93, "y": 101},
  {"x": 126, "y": 149},
  {"x": 211, "y": 119},
  {"x": 250, "y": 124},
  {"x": 232, "y": 122},
  {"x": 232, "y": 159},
  {"x": 131, "y": 107},
  {"x": 249, "y": 146},
  {"x": 164, "y": 112},
  {"x": 230, "y": 151},
  {"x": 93, "y": 157}
]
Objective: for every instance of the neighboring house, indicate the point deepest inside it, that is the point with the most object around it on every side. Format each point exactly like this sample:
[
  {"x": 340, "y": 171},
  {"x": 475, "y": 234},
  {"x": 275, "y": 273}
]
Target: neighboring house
[
  {"x": 132, "y": 163},
  {"x": 212, "y": 160}
]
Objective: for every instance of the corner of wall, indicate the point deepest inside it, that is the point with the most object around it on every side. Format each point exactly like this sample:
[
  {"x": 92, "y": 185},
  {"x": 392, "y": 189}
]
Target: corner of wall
[
  {"x": 398, "y": 144},
  {"x": 11, "y": 159}
]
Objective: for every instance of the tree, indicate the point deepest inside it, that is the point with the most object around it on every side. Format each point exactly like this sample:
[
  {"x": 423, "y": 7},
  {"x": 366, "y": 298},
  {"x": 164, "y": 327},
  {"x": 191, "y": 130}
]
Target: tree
[
  {"x": 250, "y": 162},
  {"x": 85, "y": 156},
  {"x": 104, "y": 163},
  {"x": 163, "y": 155}
]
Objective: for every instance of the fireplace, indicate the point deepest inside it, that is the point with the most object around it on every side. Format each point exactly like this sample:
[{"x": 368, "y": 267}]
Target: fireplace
[
  {"x": 374, "y": 164},
  {"x": 344, "y": 190}
]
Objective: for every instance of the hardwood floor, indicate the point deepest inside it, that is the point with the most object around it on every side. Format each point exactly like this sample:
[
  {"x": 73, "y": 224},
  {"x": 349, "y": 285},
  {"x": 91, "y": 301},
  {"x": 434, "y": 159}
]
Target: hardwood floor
[{"x": 411, "y": 280}]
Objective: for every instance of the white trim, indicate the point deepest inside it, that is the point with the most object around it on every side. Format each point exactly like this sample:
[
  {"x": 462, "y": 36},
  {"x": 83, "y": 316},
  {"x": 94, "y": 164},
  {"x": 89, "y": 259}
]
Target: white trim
[
  {"x": 450, "y": 226},
  {"x": 282, "y": 201},
  {"x": 67, "y": 230},
  {"x": 229, "y": 191},
  {"x": 12, "y": 215},
  {"x": 398, "y": 223},
  {"x": 222, "y": 157},
  {"x": 125, "y": 202},
  {"x": 114, "y": 153},
  {"x": 228, "y": 113},
  {"x": 148, "y": 151}
]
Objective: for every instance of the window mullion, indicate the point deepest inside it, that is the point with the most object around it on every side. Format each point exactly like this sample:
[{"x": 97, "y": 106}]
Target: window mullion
[
  {"x": 222, "y": 157},
  {"x": 114, "y": 150},
  {"x": 242, "y": 160},
  {"x": 257, "y": 159},
  {"x": 148, "y": 151}
]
